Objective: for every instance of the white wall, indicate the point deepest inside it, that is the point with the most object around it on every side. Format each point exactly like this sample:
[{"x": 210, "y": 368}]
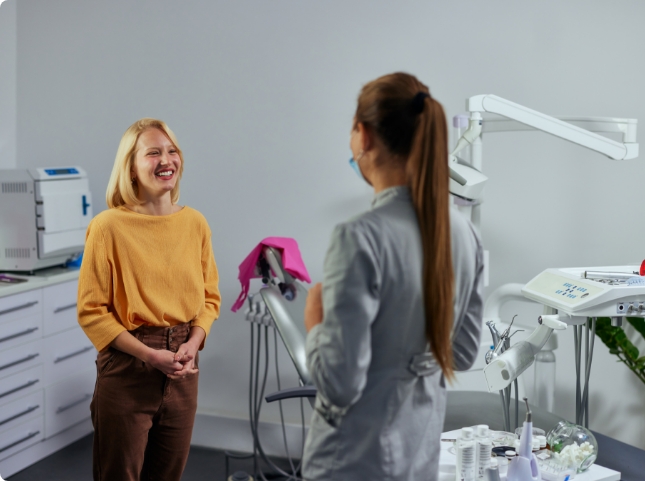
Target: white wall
[
  {"x": 261, "y": 95},
  {"x": 8, "y": 84}
]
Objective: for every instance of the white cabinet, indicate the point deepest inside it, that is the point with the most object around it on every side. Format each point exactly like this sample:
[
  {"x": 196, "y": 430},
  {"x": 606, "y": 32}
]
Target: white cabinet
[
  {"x": 22, "y": 436},
  {"x": 68, "y": 402},
  {"x": 20, "y": 331},
  {"x": 66, "y": 354},
  {"x": 47, "y": 373},
  {"x": 21, "y": 305},
  {"x": 19, "y": 384},
  {"x": 59, "y": 307},
  {"x": 21, "y": 410}
]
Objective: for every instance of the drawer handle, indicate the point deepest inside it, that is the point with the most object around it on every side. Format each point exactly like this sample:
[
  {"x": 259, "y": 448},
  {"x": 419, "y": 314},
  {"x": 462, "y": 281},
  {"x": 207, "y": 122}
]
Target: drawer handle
[
  {"x": 16, "y": 443},
  {"x": 72, "y": 404},
  {"x": 16, "y": 416},
  {"x": 19, "y": 388},
  {"x": 18, "y": 334},
  {"x": 19, "y": 361},
  {"x": 17, "y": 308},
  {"x": 64, "y": 308},
  {"x": 75, "y": 353}
]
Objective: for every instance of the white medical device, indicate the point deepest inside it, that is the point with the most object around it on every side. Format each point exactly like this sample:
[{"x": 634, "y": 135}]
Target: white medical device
[
  {"x": 44, "y": 214},
  {"x": 577, "y": 296},
  {"x": 466, "y": 178},
  {"x": 467, "y": 184},
  {"x": 580, "y": 293}
]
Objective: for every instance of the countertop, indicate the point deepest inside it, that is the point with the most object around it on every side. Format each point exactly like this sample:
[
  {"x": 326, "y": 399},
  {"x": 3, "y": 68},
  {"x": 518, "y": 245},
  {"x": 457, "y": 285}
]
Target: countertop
[{"x": 41, "y": 278}]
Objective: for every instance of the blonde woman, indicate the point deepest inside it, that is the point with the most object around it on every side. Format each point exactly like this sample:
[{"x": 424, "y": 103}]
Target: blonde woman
[{"x": 148, "y": 294}]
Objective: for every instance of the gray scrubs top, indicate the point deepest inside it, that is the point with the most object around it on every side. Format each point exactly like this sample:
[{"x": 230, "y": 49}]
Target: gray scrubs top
[{"x": 374, "y": 418}]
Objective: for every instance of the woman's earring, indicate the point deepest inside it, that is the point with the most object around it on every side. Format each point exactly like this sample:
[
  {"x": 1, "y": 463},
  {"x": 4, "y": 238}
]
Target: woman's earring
[{"x": 132, "y": 180}]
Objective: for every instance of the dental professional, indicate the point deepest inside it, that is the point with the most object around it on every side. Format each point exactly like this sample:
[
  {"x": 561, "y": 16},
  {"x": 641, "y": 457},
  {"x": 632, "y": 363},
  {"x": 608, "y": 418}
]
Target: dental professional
[
  {"x": 400, "y": 307},
  {"x": 147, "y": 296}
]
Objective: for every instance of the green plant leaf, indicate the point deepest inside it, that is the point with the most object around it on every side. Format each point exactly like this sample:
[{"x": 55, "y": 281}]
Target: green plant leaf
[
  {"x": 637, "y": 323},
  {"x": 619, "y": 344}
]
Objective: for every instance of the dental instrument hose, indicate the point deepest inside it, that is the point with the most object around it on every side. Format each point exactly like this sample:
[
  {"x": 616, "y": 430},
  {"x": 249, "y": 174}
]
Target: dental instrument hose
[{"x": 255, "y": 405}]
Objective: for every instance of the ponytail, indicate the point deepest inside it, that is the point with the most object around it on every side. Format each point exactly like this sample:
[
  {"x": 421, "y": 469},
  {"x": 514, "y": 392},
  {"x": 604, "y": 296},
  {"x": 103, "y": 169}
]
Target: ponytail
[
  {"x": 427, "y": 170},
  {"x": 413, "y": 127}
]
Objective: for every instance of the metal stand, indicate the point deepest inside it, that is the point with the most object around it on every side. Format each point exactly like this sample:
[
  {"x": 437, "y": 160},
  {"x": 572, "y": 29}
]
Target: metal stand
[{"x": 582, "y": 392}]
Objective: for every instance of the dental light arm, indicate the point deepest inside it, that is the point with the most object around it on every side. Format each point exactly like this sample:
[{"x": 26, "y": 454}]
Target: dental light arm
[
  {"x": 467, "y": 181},
  {"x": 505, "y": 368},
  {"x": 628, "y": 149}
]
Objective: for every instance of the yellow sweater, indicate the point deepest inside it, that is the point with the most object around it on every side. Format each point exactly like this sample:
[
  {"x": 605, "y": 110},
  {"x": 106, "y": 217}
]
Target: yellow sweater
[{"x": 150, "y": 270}]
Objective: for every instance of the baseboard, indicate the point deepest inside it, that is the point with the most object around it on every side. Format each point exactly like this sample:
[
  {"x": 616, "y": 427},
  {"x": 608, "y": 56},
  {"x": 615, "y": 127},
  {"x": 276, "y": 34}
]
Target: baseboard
[
  {"x": 234, "y": 434},
  {"x": 36, "y": 452}
]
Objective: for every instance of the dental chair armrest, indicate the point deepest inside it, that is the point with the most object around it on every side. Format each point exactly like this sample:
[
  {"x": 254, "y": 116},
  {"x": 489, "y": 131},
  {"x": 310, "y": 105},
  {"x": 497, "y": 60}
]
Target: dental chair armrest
[{"x": 292, "y": 392}]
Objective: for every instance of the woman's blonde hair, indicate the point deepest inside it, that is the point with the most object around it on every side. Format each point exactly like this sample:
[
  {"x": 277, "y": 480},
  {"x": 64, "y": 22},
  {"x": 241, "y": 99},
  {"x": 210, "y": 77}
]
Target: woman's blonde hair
[{"x": 121, "y": 189}]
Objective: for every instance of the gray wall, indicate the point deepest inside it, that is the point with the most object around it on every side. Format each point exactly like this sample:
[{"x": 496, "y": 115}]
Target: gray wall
[
  {"x": 261, "y": 95},
  {"x": 8, "y": 85}
]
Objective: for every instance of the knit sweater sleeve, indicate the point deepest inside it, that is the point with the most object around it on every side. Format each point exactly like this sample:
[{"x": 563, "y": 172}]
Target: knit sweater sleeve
[
  {"x": 95, "y": 293},
  {"x": 212, "y": 298}
]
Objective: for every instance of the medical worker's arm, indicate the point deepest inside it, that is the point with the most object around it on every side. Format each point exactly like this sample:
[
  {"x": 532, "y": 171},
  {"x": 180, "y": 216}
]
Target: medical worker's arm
[
  {"x": 467, "y": 333},
  {"x": 339, "y": 349},
  {"x": 95, "y": 294}
]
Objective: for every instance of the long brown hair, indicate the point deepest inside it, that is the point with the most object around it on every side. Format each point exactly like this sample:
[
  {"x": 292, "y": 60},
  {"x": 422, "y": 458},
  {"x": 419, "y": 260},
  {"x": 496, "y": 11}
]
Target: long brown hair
[{"x": 412, "y": 125}]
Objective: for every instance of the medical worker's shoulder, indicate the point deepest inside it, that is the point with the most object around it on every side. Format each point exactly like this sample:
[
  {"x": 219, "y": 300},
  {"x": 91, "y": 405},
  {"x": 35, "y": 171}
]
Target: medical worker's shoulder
[
  {"x": 462, "y": 229},
  {"x": 362, "y": 228}
]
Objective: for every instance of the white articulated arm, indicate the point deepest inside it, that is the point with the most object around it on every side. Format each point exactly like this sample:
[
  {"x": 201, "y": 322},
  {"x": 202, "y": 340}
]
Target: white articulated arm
[
  {"x": 466, "y": 181},
  {"x": 506, "y": 367},
  {"x": 551, "y": 125}
]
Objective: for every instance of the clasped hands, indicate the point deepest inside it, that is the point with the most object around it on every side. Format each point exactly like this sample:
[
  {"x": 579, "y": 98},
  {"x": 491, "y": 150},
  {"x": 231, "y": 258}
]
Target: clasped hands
[{"x": 175, "y": 365}]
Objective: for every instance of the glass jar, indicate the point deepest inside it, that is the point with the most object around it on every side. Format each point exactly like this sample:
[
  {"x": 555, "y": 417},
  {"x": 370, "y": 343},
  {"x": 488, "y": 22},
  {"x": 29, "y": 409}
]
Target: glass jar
[{"x": 573, "y": 445}]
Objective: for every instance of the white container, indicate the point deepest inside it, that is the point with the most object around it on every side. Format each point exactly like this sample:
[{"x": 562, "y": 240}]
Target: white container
[
  {"x": 484, "y": 447},
  {"x": 466, "y": 456}
]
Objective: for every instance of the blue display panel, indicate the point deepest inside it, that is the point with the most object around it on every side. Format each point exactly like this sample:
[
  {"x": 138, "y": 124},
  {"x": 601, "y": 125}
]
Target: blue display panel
[
  {"x": 65, "y": 171},
  {"x": 571, "y": 291}
]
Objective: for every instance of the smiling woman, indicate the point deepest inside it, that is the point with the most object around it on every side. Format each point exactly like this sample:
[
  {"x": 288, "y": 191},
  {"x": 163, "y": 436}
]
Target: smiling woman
[
  {"x": 148, "y": 294},
  {"x": 148, "y": 163}
]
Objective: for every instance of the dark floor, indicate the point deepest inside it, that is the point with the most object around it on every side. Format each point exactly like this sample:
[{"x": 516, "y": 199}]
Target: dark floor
[{"x": 74, "y": 463}]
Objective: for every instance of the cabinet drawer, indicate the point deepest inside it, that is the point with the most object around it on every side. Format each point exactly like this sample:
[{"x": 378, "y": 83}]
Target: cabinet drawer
[
  {"x": 20, "y": 331},
  {"x": 20, "y": 357},
  {"x": 68, "y": 402},
  {"x": 18, "y": 385},
  {"x": 21, "y": 305},
  {"x": 67, "y": 353},
  {"x": 22, "y": 436},
  {"x": 59, "y": 311},
  {"x": 21, "y": 410}
]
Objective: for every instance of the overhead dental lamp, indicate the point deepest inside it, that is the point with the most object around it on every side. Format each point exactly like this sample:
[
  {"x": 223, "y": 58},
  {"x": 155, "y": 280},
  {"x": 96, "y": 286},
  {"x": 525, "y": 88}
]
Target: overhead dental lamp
[{"x": 466, "y": 179}]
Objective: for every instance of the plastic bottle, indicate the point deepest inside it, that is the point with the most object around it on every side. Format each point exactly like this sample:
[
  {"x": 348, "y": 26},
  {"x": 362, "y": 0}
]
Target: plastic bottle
[
  {"x": 544, "y": 381},
  {"x": 492, "y": 472},
  {"x": 466, "y": 456},
  {"x": 484, "y": 449}
]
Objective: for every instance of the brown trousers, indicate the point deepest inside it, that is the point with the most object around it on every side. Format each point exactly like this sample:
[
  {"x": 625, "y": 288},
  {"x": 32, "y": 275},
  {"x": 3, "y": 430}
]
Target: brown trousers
[{"x": 143, "y": 421}]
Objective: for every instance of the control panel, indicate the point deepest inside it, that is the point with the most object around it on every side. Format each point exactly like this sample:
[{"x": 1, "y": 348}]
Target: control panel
[{"x": 570, "y": 293}]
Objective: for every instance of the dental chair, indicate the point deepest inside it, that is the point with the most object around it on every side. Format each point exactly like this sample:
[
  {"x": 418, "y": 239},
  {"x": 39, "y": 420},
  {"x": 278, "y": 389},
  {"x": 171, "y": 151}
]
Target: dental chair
[{"x": 285, "y": 300}]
